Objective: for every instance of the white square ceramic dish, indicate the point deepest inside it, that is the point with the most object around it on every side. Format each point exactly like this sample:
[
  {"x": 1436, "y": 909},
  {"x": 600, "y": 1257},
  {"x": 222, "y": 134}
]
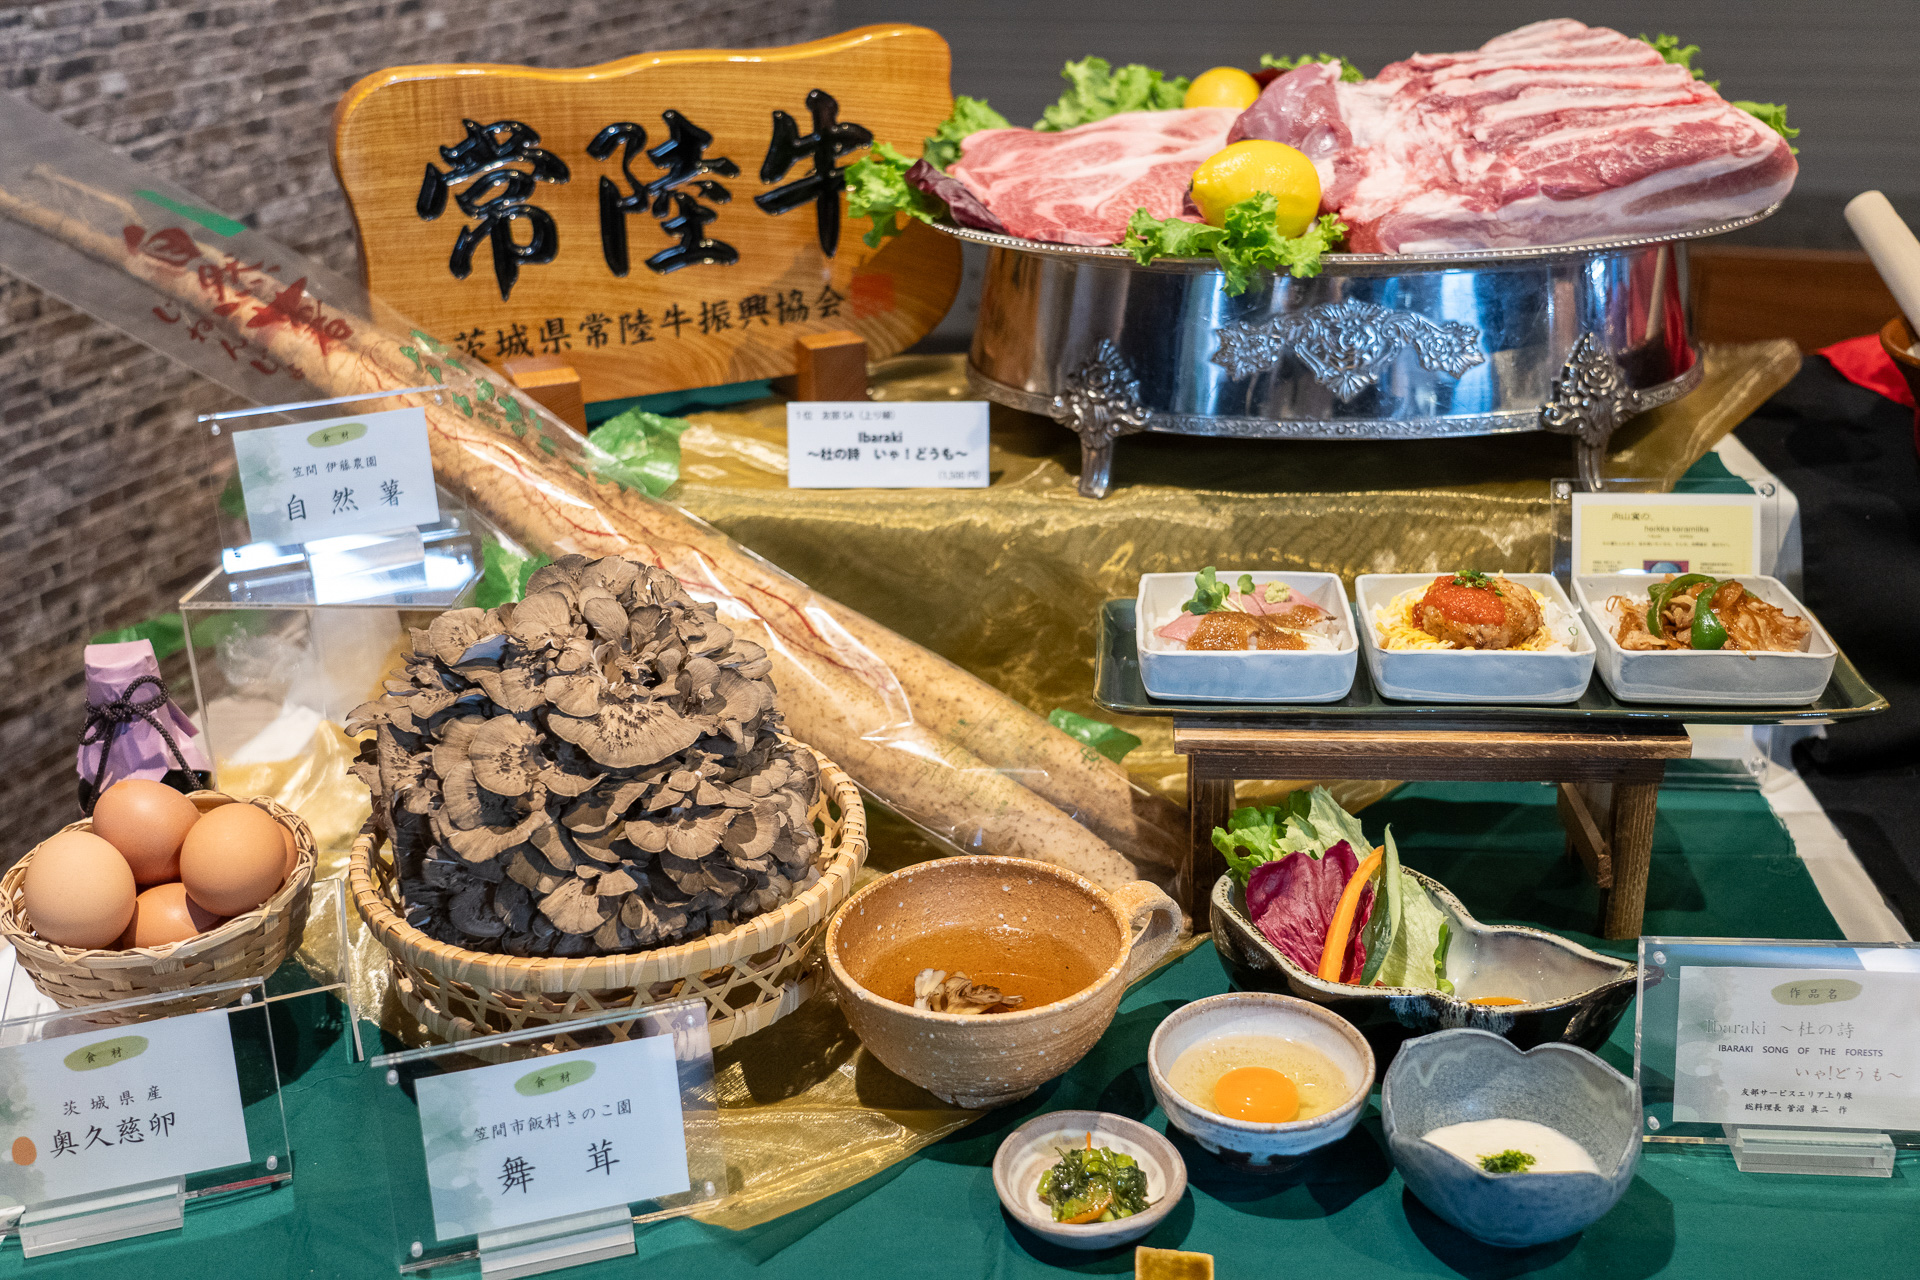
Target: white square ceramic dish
[
  {"x": 1255, "y": 675},
  {"x": 1474, "y": 675},
  {"x": 1709, "y": 678}
]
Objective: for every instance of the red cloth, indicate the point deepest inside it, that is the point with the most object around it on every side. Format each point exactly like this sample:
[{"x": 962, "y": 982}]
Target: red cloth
[{"x": 1865, "y": 363}]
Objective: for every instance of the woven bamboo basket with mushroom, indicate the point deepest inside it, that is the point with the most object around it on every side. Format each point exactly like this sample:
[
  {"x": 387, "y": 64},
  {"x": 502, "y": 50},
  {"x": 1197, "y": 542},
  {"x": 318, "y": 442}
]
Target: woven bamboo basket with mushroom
[
  {"x": 251, "y": 945},
  {"x": 749, "y": 975},
  {"x": 590, "y": 804}
]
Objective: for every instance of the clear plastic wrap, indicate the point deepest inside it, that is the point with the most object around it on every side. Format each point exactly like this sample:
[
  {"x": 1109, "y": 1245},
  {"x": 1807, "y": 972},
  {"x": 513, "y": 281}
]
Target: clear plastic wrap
[{"x": 943, "y": 748}]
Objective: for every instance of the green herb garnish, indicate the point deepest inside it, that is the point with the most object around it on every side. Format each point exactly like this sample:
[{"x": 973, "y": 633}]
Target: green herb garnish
[
  {"x": 1094, "y": 1185},
  {"x": 1508, "y": 1161},
  {"x": 1475, "y": 579},
  {"x": 1209, "y": 593},
  {"x": 1249, "y": 241},
  {"x": 1100, "y": 90},
  {"x": 1349, "y": 73}
]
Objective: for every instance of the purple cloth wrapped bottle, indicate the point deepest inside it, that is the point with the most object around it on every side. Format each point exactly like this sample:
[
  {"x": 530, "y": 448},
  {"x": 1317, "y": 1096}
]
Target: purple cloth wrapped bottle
[{"x": 134, "y": 730}]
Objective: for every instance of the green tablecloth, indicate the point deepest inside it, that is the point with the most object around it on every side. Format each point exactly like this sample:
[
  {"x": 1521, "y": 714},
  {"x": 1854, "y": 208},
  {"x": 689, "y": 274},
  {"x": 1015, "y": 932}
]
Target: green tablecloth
[{"x": 1722, "y": 865}]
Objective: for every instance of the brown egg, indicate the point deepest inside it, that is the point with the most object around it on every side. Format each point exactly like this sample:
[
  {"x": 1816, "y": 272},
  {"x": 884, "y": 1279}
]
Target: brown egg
[
  {"x": 293, "y": 850},
  {"x": 233, "y": 859},
  {"x": 166, "y": 914},
  {"x": 79, "y": 891},
  {"x": 145, "y": 821}
]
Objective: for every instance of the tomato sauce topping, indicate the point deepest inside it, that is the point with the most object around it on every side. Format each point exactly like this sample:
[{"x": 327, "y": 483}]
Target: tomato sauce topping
[{"x": 1468, "y": 606}]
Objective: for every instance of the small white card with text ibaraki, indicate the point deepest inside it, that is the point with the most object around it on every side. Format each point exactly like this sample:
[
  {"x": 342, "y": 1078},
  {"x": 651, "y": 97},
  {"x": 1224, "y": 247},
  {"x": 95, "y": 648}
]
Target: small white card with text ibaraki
[
  {"x": 908, "y": 444},
  {"x": 542, "y": 1138},
  {"x": 118, "y": 1107},
  {"x": 312, "y": 480},
  {"x": 1713, "y": 533},
  {"x": 1821, "y": 1048}
]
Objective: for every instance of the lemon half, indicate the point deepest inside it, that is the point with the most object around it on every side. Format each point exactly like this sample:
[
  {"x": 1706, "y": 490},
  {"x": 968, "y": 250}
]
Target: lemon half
[
  {"x": 1248, "y": 168},
  {"x": 1222, "y": 87}
]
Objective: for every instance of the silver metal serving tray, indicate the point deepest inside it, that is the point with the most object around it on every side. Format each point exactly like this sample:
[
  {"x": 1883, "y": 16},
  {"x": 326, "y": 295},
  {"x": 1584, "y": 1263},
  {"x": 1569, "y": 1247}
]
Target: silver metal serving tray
[{"x": 1569, "y": 338}]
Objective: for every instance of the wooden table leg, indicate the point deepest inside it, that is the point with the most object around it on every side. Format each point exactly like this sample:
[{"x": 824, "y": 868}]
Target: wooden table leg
[
  {"x": 1209, "y": 801},
  {"x": 1632, "y": 841}
]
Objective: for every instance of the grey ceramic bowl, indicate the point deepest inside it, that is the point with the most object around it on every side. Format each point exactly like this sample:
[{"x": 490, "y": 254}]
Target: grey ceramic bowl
[
  {"x": 1568, "y": 992},
  {"x": 1455, "y": 1076},
  {"x": 1035, "y": 1146},
  {"x": 1260, "y": 1148}
]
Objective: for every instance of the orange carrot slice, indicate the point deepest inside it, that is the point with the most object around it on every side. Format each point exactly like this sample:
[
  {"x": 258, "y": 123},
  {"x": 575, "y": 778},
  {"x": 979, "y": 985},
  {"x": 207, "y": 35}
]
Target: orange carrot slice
[{"x": 1341, "y": 929}]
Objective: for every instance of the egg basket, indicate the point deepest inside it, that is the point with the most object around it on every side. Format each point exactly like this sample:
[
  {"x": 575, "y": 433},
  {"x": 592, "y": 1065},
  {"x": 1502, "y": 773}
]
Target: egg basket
[
  {"x": 250, "y": 945},
  {"x": 750, "y": 976}
]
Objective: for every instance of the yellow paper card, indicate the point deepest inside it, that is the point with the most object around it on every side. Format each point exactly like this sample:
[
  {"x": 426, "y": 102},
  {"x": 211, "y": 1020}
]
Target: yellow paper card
[{"x": 1717, "y": 533}]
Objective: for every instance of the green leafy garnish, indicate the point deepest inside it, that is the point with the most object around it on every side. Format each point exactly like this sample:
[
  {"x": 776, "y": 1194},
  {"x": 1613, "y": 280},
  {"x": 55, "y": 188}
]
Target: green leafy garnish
[
  {"x": 1475, "y": 579},
  {"x": 1508, "y": 1161},
  {"x": 1249, "y": 242},
  {"x": 1771, "y": 114},
  {"x": 969, "y": 116},
  {"x": 1209, "y": 593},
  {"x": 1774, "y": 116},
  {"x": 1349, "y": 73},
  {"x": 1109, "y": 740},
  {"x": 1309, "y": 822},
  {"x": 503, "y": 576},
  {"x": 877, "y": 188},
  {"x": 1245, "y": 585},
  {"x": 640, "y": 449},
  {"x": 1099, "y": 90},
  {"x": 1383, "y": 926},
  {"x": 1094, "y": 1184}
]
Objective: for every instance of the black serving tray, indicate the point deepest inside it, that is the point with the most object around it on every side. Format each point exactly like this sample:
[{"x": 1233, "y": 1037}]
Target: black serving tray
[{"x": 1117, "y": 687}]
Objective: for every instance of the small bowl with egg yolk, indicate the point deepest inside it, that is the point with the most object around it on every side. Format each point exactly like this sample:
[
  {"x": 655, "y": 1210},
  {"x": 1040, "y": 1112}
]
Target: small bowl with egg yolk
[{"x": 1262, "y": 1056}]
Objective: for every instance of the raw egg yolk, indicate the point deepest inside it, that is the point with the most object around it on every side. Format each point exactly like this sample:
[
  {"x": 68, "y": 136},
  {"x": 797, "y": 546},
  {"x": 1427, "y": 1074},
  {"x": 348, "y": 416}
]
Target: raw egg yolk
[{"x": 1257, "y": 1094}]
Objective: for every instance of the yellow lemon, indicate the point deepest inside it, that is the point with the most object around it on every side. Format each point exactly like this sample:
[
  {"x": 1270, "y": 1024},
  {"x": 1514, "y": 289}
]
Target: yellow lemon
[
  {"x": 1248, "y": 168},
  {"x": 1222, "y": 87}
]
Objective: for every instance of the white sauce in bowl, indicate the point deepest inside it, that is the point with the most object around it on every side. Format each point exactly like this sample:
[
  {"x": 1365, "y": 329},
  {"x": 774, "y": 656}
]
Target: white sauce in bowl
[{"x": 1552, "y": 1150}]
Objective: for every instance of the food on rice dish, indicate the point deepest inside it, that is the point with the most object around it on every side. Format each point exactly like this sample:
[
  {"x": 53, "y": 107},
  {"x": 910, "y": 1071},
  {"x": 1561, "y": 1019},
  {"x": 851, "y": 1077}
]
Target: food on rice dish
[
  {"x": 1223, "y": 618},
  {"x": 1470, "y": 610},
  {"x": 1734, "y": 618}
]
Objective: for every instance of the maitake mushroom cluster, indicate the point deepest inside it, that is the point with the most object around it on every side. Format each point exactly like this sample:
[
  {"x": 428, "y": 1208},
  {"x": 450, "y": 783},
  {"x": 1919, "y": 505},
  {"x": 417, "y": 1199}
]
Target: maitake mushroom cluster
[{"x": 595, "y": 769}]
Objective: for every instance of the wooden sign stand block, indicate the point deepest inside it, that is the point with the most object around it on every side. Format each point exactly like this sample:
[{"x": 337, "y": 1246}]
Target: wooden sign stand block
[
  {"x": 666, "y": 221},
  {"x": 1609, "y": 783}
]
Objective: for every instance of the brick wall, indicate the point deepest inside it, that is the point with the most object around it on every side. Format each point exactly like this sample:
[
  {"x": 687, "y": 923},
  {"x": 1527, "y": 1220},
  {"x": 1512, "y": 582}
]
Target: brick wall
[{"x": 106, "y": 484}]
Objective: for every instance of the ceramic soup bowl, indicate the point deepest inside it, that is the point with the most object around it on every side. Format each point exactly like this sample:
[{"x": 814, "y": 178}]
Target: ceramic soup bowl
[
  {"x": 1260, "y": 1148},
  {"x": 1057, "y": 939},
  {"x": 1453, "y": 1077},
  {"x": 1566, "y": 991}
]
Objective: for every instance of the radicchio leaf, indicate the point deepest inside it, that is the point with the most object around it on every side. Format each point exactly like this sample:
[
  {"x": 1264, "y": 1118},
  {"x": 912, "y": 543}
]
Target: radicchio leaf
[{"x": 1292, "y": 899}]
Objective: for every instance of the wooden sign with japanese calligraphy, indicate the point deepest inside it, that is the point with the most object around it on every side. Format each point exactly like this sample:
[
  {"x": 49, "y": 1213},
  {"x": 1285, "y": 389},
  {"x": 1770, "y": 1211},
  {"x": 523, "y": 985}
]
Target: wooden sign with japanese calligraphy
[{"x": 666, "y": 221}]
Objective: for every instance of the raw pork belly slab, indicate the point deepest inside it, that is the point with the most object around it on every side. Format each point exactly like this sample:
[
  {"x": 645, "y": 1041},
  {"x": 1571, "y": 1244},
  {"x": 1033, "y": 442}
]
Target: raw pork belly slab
[
  {"x": 1551, "y": 134},
  {"x": 1079, "y": 186}
]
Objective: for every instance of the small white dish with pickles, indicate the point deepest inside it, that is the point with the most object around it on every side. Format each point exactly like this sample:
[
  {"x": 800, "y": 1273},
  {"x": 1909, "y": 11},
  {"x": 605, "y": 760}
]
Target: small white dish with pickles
[
  {"x": 1236, "y": 636},
  {"x": 1792, "y": 670},
  {"x": 1538, "y": 651}
]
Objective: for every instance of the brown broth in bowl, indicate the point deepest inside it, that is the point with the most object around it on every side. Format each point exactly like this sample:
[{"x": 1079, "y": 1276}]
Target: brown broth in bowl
[{"x": 1035, "y": 966}]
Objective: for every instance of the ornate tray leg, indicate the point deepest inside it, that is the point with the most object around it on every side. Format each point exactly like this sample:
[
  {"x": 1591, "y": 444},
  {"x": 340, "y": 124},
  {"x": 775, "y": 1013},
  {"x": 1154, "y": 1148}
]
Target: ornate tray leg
[
  {"x": 1101, "y": 404},
  {"x": 1591, "y": 399}
]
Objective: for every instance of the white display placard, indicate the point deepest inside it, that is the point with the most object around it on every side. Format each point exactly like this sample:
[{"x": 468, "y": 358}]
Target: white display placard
[
  {"x": 543, "y": 1138},
  {"x": 1820, "y": 1048},
  {"x": 116, "y": 1107},
  {"x": 1713, "y": 533},
  {"x": 372, "y": 473},
  {"x": 859, "y": 444}
]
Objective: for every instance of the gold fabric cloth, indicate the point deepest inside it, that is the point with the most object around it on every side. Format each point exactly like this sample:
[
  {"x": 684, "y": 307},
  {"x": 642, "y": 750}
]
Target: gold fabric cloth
[{"x": 1007, "y": 582}]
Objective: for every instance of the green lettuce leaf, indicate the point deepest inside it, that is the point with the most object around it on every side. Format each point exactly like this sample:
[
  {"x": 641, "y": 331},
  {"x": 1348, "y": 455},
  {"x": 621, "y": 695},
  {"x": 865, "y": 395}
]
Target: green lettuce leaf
[
  {"x": 877, "y": 188},
  {"x": 1389, "y": 905},
  {"x": 1417, "y": 955},
  {"x": 1249, "y": 242},
  {"x": 1108, "y": 740},
  {"x": 1309, "y": 822},
  {"x": 1670, "y": 48},
  {"x": 504, "y": 575},
  {"x": 641, "y": 450},
  {"x": 1098, "y": 90},
  {"x": 1349, "y": 73},
  {"x": 969, "y": 116},
  {"x": 1774, "y": 116},
  {"x": 1771, "y": 114}
]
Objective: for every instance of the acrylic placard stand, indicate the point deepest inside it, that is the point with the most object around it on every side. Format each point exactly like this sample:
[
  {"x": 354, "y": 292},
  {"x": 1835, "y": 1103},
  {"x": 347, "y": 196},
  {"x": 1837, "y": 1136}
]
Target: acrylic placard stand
[
  {"x": 1821, "y": 1147},
  {"x": 57, "y": 1224},
  {"x": 570, "y": 1239}
]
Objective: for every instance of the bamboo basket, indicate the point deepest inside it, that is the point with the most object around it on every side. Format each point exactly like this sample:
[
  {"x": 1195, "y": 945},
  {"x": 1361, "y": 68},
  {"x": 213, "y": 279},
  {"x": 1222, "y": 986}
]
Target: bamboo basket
[
  {"x": 250, "y": 945},
  {"x": 749, "y": 976}
]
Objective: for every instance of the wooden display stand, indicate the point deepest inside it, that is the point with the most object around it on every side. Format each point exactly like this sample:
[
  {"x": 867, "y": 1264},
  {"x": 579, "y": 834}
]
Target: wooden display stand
[{"x": 1609, "y": 782}]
